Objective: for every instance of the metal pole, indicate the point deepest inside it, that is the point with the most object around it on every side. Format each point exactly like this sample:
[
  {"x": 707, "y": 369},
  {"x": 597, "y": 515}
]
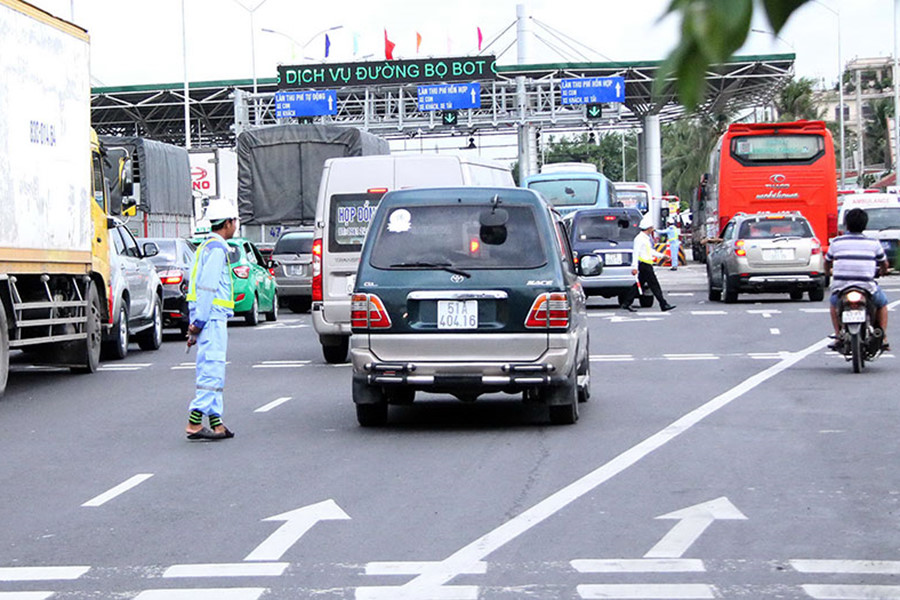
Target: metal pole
[
  {"x": 523, "y": 41},
  {"x": 841, "y": 100},
  {"x": 896, "y": 101},
  {"x": 860, "y": 134},
  {"x": 187, "y": 95},
  {"x": 253, "y": 60}
]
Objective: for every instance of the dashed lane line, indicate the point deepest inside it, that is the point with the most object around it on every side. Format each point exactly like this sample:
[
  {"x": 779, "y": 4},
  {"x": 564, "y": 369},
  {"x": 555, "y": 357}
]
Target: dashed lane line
[
  {"x": 262, "y": 569},
  {"x": 273, "y": 404},
  {"x": 690, "y": 357},
  {"x": 638, "y": 565},
  {"x": 118, "y": 490},
  {"x": 658, "y": 591},
  {"x": 774, "y": 331},
  {"x": 202, "y": 594},
  {"x": 852, "y": 592},
  {"x": 41, "y": 573},
  {"x": 281, "y": 364}
]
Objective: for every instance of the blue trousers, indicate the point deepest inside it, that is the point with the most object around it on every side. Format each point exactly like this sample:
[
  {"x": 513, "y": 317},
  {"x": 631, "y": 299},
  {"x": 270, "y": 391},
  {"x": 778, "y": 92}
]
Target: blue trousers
[
  {"x": 211, "y": 346},
  {"x": 674, "y": 246}
]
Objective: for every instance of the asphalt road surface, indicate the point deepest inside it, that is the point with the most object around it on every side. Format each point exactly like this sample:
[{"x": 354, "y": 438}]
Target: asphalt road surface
[{"x": 724, "y": 454}]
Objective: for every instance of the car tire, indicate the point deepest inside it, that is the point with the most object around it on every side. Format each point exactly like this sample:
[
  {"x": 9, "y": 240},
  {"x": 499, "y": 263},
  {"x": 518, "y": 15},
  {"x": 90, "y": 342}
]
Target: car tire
[
  {"x": 817, "y": 295},
  {"x": 796, "y": 295},
  {"x": 117, "y": 347},
  {"x": 567, "y": 412},
  {"x": 251, "y": 317},
  {"x": 584, "y": 390},
  {"x": 273, "y": 314},
  {"x": 371, "y": 405},
  {"x": 729, "y": 288},
  {"x": 646, "y": 300},
  {"x": 151, "y": 338},
  {"x": 90, "y": 360},
  {"x": 337, "y": 353},
  {"x": 4, "y": 350}
]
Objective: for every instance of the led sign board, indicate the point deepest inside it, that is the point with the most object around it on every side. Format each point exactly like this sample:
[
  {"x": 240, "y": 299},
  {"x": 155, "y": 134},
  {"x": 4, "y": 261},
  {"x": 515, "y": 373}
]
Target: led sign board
[{"x": 420, "y": 70}]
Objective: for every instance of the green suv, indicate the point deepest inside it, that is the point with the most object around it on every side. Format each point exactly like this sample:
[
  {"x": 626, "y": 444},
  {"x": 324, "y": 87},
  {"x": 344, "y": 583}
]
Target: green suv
[{"x": 467, "y": 291}]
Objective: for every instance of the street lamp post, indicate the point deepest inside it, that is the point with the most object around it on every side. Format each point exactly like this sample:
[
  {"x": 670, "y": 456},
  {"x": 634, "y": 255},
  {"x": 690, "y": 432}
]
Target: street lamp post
[
  {"x": 253, "y": 54},
  {"x": 308, "y": 42},
  {"x": 837, "y": 14}
]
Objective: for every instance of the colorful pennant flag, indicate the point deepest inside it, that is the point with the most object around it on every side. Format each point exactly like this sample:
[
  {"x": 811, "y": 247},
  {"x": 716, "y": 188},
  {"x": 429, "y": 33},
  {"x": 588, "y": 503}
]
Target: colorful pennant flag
[
  {"x": 418, "y": 41},
  {"x": 388, "y": 47},
  {"x": 327, "y": 45},
  {"x": 480, "y": 39}
]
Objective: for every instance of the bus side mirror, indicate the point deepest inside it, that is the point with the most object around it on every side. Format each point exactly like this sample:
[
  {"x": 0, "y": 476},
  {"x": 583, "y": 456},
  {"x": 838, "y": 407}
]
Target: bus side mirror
[{"x": 126, "y": 176}]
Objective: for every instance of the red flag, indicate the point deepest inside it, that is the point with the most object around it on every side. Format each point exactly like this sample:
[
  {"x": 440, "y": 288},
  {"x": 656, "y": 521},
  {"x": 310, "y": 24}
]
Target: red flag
[
  {"x": 418, "y": 41},
  {"x": 388, "y": 47},
  {"x": 479, "y": 39}
]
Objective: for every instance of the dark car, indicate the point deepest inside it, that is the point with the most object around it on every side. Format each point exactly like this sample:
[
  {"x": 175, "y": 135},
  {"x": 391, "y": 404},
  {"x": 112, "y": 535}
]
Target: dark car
[
  {"x": 467, "y": 291},
  {"x": 609, "y": 234},
  {"x": 293, "y": 269},
  {"x": 173, "y": 264}
]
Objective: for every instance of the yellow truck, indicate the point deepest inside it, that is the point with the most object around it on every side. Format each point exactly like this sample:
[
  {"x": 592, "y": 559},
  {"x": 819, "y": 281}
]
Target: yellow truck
[{"x": 54, "y": 245}]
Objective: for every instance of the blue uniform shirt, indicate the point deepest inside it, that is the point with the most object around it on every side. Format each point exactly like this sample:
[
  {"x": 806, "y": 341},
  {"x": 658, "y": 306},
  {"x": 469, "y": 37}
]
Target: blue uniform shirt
[{"x": 211, "y": 280}]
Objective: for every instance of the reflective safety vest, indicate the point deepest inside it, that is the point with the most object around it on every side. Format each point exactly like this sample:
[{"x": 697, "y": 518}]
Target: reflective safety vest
[{"x": 192, "y": 289}]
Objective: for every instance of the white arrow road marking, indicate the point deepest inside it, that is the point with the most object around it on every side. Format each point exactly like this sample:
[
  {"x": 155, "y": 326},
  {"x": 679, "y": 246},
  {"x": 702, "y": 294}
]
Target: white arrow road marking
[
  {"x": 658, "y": 591},
  {"x": 228, "y": 570},
  {"x": 118, "y": 490},
  {"x": 297, "y": 523},
  {"x": 854, "y": 567},
  {"x": 272, "y": 404},
  {"x": 41, "y": 573},
  {"x": 430, "y": 583},
  {"x": 853, "y": 592},
  {"x": 203, "y": 594},
  {"x": 692, "y": 522},
  {"x": 639, "y": 565}
]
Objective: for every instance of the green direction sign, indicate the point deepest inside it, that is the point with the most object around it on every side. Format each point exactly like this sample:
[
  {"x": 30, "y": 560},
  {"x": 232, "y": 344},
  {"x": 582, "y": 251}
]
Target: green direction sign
[
  {"x": 463, "y": 68},
  {"x": 594, "y": 111},
  {"x": 449, "y": 117}
]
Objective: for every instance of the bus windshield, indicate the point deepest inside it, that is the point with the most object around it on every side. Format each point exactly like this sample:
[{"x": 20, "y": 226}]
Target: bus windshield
[
  {"x": 638, "y": 199},
  {"x": 777, "y": 148}
]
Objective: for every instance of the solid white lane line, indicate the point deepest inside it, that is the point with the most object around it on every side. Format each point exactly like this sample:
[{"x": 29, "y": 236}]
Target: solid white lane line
[
  {"x": 855, "y": 567},
  {"x": 272, "y": 404},
  {"x": 202, "y": 594},
  {"x": 775, "y": 331},
  {"x": 655, "y": 591},
  {"x": 639, "y": 565},
  {"x": 709, "y": 312},
  {"x": 25, "y": 595},
  {"x": 680, "y": 294},
  {"x": 447, "y": 569},
  {"x": 768, "y": 355},
  {"x": 228, "y": 570},
  {"x": 118, "y": 490},
  {"x": 281, "y": 364},
  {"x": 398, "y": 567},
  {"x": 852, "y": 592},
  {"x": 611, "y": 357},
  {"x": 815, "y": 310},
  {"x": 41, "y": 573},
  {"x": 690, "y": 357}
]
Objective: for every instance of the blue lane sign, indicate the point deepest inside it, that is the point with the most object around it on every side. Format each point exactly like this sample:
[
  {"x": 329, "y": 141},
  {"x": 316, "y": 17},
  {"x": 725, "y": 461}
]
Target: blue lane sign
[
  {"x": 449, "y": 97},
  {"x": 592, "y": 90},
  {"x": 305, "y": 104}
]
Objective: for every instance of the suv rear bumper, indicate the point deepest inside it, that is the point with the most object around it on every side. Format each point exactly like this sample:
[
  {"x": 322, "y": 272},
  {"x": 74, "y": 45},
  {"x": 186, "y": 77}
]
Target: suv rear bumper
[{"x": 783, "y": 282}]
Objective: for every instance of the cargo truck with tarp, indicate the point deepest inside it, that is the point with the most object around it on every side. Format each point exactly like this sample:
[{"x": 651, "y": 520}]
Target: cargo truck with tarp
[
  {"x": 54, "y": 244},
  {"x": 280, "y": 169}
]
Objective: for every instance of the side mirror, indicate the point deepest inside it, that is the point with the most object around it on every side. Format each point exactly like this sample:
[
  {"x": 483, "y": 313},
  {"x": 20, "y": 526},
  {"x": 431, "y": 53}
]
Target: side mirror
[
  {"x": 129, "y": 207},
  {"x": 150, "y": 249},
  {"x": 110, "y": 223},
  {"x": 590, "y": 265},
  {"x": 126, "y": 176}
]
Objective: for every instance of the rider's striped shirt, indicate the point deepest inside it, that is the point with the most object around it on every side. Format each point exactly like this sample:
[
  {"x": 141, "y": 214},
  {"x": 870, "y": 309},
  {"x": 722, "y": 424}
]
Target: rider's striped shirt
[{"x": 855, "y": 259}]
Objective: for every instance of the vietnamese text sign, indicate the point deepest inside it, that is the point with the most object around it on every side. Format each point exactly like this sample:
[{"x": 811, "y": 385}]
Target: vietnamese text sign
[
  {"x": 464, "y": 68},
  {"x": 305, "y": 104},
  {"x": 592, "y": 90},
  {"x": 449, "y": 97}
]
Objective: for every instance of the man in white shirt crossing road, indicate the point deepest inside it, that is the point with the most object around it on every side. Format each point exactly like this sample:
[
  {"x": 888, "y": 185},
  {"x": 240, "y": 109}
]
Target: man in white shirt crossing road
[{"x": 642, "y": 267}]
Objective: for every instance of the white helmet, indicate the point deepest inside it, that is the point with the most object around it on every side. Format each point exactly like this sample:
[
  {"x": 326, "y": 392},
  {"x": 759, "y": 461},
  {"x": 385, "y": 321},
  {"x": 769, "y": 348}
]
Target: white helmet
[
  {"x": 647, "y": 222},
  {"x": 220, "y": 209}
]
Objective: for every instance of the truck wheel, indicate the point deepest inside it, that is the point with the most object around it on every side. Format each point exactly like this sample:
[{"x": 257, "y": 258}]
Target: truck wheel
[
  {"x": 94, "y": 340},
  {"x": 252, "y": 316},
  {"x": 151, "y": 339},
  {"x": 117, "y": 346},
  {"x": 4, "y": 350},
  {"x": 336, "y": 354}
]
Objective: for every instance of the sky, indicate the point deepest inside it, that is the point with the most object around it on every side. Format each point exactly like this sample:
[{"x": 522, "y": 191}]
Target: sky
[{"x": 141, "y": 42}]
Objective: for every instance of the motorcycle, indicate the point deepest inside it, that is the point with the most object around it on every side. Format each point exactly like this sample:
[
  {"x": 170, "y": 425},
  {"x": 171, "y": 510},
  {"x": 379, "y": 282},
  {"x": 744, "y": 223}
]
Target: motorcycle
[{"x": 861, "y": 339}]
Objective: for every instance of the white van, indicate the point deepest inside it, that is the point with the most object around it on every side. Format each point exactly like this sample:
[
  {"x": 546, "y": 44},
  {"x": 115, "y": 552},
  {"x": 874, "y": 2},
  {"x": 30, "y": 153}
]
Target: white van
[
  {"x": 883, "y": 211},
  {"x": 349, "y": 194}
]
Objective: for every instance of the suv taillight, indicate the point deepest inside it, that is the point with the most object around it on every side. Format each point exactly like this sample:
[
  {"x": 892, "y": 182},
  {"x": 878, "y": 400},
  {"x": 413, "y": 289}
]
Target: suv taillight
[
  {"x": 549, "y": 311},
  {"x": 816, "y": 246},
  {"x": 317, "y": 270},
  {"x": 739, "y": 248},
  {"x": 367, "y": 312}
]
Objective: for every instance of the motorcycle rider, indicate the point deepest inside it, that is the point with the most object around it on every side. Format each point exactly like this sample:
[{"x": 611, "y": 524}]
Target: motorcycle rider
[{"x": 852, "y": 260}]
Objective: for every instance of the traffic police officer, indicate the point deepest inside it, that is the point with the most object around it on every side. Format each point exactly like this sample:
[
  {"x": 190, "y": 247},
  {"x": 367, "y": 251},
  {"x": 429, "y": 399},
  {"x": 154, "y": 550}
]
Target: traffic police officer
[
  {"x": 211, "y": 303},
  {"x": 642, "y": 260}
]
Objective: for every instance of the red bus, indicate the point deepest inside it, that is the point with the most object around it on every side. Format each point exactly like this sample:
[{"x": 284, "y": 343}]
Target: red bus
[{"x": 758, "y": 167}]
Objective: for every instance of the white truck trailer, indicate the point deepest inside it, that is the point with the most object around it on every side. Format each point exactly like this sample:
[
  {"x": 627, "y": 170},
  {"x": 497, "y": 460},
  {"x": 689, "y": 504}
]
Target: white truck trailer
[{"x": 54, "y": 245}]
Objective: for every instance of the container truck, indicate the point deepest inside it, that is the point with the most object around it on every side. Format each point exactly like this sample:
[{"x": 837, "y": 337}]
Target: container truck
[{"x": 54, "y": 245}]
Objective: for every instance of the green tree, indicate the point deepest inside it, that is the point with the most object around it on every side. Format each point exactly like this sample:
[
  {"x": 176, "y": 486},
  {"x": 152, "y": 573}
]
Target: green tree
[
  {"x": 877, "y": 134},
  {"x": 604, "y": 152},
  {"x": 686, "y": 146},
  {"x": 711, "y": 31},
  {"x": 795, "y": 101}
]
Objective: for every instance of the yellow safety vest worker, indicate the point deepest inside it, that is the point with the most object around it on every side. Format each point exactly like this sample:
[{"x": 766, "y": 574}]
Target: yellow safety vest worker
[{"x": 192, "y": 288}]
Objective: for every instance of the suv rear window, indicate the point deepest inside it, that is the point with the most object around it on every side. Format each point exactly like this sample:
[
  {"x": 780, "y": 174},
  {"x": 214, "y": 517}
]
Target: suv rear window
[
  {"x": 568, "y": 192},
  {"x": 451, "y": 235},
  {"x": 774, "y": 228},
  {"x": 618, "y": 228},
  {"x": 294, "y": 243}
]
